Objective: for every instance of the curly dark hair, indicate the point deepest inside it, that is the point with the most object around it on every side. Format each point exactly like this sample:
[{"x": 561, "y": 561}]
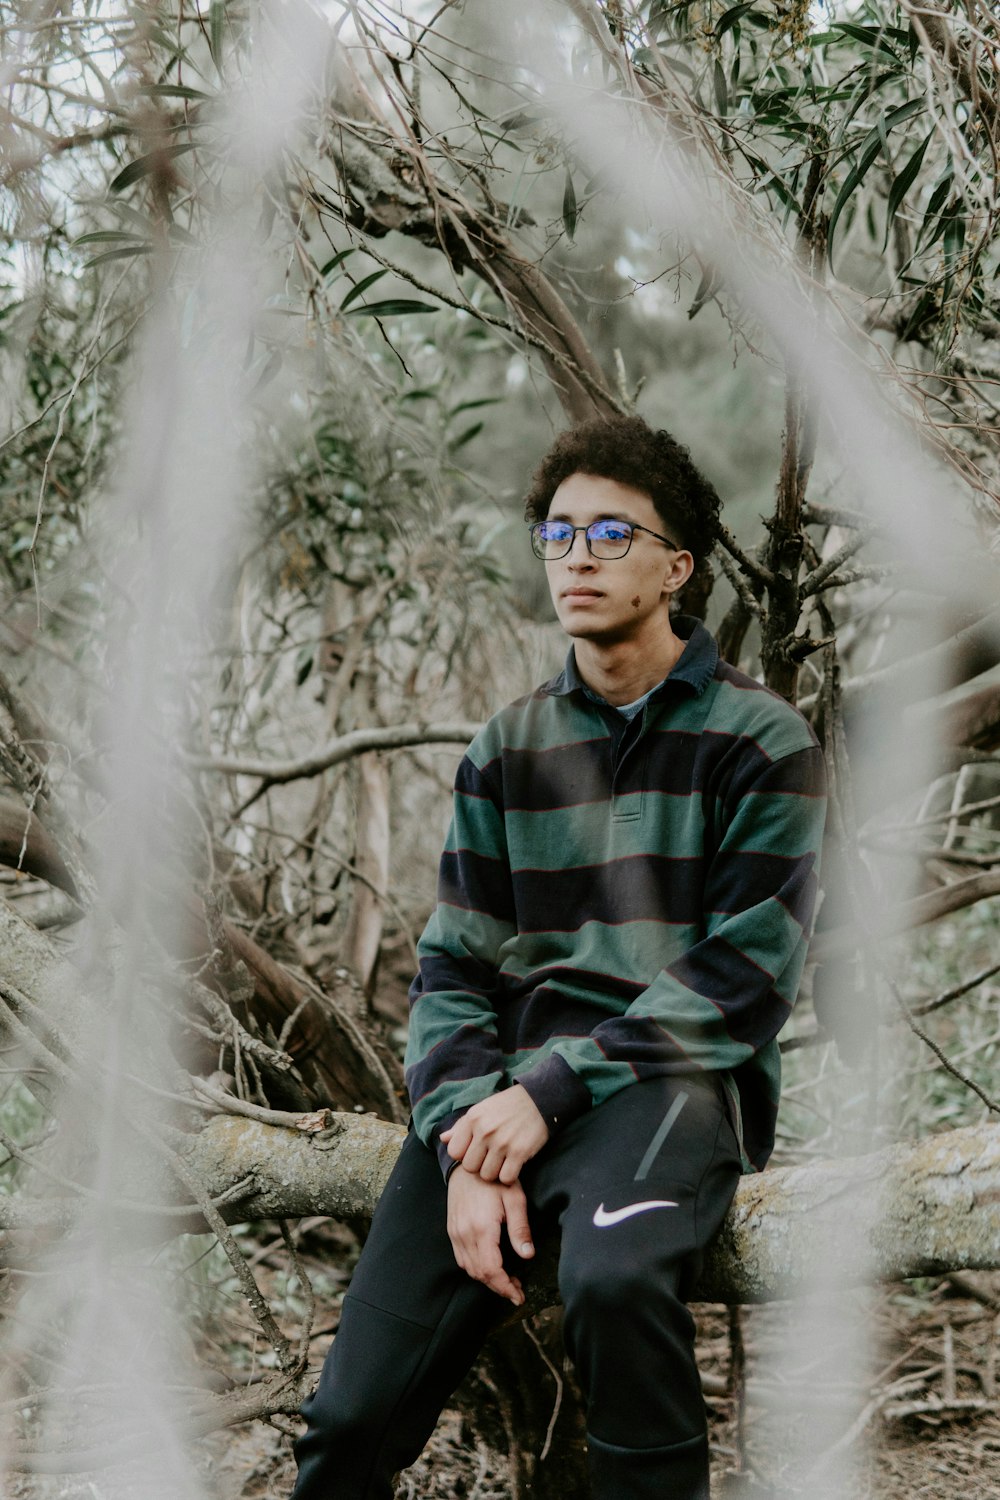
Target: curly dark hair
[{"x": 629, "y": 450}]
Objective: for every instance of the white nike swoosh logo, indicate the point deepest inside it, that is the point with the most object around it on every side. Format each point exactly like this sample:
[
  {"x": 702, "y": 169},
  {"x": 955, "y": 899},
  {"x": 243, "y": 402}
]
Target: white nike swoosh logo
[{"x": 604, "y": 1217}]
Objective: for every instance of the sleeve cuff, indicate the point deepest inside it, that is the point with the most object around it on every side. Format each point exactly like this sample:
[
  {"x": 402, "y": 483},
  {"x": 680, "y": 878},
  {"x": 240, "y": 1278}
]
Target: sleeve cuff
[
  {"x": 556, "y": 1091},
  {"x": 436, "y": 1144}
]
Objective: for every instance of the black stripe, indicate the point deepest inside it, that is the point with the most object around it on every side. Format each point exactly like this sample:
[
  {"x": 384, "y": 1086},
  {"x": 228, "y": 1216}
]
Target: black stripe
[
  {"x": 751, "y": 1008},
  {"x": 476, "y": 883},
  {"x": 540, "y": 780},
  {"x": 642, "y": 888},
  {"x": 529, "y": 1020},
  {"x": 469, "y": 1052},
  {"x": 446, "y": 971},
  {"x": 472, "y": 782},
  {"x": 641, "y": 1042},
  {"x": 740, "y": 879},
  {"x": 605, "y": 986},
  {"x": 800, "y": 774}
]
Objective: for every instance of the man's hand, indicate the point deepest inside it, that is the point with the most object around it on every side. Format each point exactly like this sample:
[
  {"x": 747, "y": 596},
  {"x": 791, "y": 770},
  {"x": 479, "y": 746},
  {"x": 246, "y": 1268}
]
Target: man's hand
[
  {"x": 476, "y": 1211},
  {"x": 496, "y": 1137}
]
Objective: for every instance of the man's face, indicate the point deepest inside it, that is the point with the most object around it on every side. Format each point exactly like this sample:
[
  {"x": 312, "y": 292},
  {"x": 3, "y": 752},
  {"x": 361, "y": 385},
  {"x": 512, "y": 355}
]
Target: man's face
[{"x": 619, "y": 599}]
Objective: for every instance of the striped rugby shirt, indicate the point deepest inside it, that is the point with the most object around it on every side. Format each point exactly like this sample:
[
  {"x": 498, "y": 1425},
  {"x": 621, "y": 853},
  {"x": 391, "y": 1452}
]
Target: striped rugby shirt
[{"x": 618, "y": 901}]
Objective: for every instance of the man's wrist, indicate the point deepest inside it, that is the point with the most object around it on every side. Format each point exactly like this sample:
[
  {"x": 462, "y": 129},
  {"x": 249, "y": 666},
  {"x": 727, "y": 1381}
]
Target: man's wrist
[{"x": 556, "y": 1092}]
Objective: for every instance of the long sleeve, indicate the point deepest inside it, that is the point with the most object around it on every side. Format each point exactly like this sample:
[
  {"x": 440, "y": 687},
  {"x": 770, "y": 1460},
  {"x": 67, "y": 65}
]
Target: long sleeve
[
  {"x": 723, "y": 1000},
  {"x": 453, "y": 1058}
]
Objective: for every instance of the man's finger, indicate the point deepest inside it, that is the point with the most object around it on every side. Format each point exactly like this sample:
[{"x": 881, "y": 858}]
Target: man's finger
[
  {"x": 493, "y": 1165},
  {"x": 489, "y": 1269},
  {"x": 510, "y": 1171},
  {"x": 473, "y": 1156},
  {"x": 518, "y": 1229},
  {"x": 457, "y": 1139}
]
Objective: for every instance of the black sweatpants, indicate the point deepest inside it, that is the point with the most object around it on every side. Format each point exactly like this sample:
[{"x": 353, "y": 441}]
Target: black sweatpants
[{"x": 635, "y": 1189}]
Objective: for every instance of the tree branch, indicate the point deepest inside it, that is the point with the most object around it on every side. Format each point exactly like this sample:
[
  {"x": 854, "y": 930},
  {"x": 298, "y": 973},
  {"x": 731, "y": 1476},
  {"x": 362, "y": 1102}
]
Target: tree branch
[
  {"x": 335, "y": 752},
  {"x": 910, "y": 1210}
]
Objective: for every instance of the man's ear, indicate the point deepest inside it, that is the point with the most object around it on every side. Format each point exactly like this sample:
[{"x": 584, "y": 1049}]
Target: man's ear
[{"x": 680, "y": 571}]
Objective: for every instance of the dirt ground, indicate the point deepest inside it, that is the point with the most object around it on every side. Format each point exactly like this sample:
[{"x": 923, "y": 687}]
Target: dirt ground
[
  {"x": 885, "y": 1394},
  {"x": 922, "y": 1424}
]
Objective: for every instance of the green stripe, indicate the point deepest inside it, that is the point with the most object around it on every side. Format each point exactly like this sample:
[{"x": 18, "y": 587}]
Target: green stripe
[
  {"x": 458, "y": 933},
  {"x": 482, "y": 829},
  {"x": 762, "y": 824},
  {"x": 633, "y": 950},
  {"x": 776, "y": 727},
  {"x": 566, "y": 838},
  {"x": 447, "y": 1097}
]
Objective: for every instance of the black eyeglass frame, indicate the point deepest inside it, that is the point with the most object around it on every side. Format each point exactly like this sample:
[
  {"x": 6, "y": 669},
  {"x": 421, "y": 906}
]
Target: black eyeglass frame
[{"x": 633, "y": 527}]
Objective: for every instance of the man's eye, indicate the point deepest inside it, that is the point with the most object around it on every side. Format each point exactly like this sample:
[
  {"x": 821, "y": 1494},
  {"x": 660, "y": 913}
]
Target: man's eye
[
  {"x": 555, "y": 531},
  {"x": 610, "y": 531}
]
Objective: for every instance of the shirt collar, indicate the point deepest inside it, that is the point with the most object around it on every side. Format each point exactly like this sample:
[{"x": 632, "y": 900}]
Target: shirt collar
[{"x": 695, "y": 668}]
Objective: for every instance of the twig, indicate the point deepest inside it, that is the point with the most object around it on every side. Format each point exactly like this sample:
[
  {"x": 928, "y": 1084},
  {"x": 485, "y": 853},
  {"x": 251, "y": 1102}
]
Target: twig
[
  {"x": 926, "y": 1006},
  {"x": 231, "y": 1105},
  {"x": 942, "y": 1058},
  {"x": 746, "y": 598},
  {"x": 270, "y": 1057},
  {"x": 750, "y": 566},
  {"x": 560, "y": 1387}
]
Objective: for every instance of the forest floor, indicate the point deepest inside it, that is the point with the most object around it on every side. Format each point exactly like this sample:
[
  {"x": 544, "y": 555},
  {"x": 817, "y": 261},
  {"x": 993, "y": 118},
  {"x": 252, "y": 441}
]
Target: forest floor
[
  {"x": 923, "y": 1424},
  {"x": 918, "y": 1420}
]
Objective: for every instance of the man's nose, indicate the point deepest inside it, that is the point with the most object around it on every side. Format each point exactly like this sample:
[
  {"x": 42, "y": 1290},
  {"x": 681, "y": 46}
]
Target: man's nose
[{"x": 579, "y": 553}]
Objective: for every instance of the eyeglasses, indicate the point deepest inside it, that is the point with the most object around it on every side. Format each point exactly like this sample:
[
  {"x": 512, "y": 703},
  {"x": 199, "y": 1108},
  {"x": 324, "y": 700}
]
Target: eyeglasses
[{"x": 606, "y": 540}]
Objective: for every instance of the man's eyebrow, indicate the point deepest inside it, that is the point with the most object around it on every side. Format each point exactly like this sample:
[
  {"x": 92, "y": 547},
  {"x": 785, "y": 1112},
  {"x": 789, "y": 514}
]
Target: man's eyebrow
[{"x": 606, "y": 515}]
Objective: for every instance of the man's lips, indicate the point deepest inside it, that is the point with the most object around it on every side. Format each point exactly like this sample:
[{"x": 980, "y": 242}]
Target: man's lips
[{"x": 581, "y": 593}]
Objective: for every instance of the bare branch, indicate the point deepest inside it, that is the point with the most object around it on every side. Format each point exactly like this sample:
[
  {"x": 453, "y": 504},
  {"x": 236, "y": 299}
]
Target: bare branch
[{"x": 358, "y": 742}]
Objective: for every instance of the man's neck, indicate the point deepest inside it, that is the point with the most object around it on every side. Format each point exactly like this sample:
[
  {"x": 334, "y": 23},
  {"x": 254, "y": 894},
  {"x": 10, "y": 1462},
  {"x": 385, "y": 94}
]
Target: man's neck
[{"x": 622, "y": 671}]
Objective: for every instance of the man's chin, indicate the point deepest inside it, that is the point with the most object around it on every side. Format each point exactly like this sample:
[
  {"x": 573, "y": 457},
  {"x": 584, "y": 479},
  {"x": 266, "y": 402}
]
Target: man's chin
[{"x": 593, "y": 630}]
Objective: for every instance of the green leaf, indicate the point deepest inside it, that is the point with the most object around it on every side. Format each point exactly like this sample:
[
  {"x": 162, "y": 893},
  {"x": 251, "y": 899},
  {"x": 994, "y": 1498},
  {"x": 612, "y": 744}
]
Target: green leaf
[
  {"x": 601, "y": 179},
  {"x": 122, "y": 254},
  {"x": 873, "y": 143},
  {"x": 569, "y": 210},
  {"x": 869, "y": 151},
  {"x": 104, "y": 236},
  {"x": 360, "y": 287},
  {"x": 336, "y": 260},
  {"x": 172, "y": 91},
  {"x": 721, "y": 91},
  {"x": 216, "y": 27},
  {"x": 266, "y": 682},
  {"x": 731, "y": 16},
  {"x": 954, "y": 235},
  {"x": 465, "y": 437},
  {"x": 143, "y": 165},
  {"x": 392, "y": 306},
  {"x": 304, "y": 665},
  {"x": 937, "y": 201},
  {"x": 872, "y": 36},
  {"x": 270, "y": 369},
  {"x": 902, "y": 183},
  {"x": 473, "y": 405},
  {"x": 868, "y": 86}
]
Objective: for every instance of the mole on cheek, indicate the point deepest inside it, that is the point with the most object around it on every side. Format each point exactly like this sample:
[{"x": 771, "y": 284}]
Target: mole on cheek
[{"x": 636, "y": 602}]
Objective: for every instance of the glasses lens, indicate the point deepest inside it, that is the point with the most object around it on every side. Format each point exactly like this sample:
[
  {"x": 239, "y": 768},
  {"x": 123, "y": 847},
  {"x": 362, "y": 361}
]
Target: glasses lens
[
  {"x": 551, "y": 539},
  {"x": 609, "y": 538}
]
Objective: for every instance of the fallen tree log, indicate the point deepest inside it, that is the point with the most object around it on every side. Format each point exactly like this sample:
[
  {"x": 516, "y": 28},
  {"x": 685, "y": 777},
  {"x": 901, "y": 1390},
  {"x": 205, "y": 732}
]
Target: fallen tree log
[
  {"x": 909, "y": 1210},
  {"x": 916, "y": 1209}
]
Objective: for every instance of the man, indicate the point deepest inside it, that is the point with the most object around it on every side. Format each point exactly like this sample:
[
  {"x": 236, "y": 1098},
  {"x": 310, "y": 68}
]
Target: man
[{"x": 623, "y": 911}]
